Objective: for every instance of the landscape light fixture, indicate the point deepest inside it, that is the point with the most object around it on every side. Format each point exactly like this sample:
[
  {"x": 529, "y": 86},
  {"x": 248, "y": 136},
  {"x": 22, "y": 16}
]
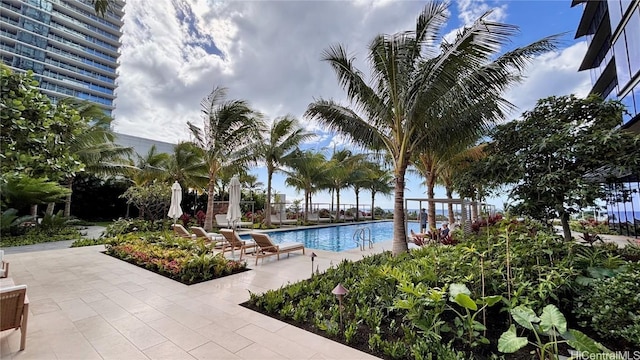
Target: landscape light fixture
[
  {"x": 313, "y": 256},
  {"x": 339, "y": 291}
]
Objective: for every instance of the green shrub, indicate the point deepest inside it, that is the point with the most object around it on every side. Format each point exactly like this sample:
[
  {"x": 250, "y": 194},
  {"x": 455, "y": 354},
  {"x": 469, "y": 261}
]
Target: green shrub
[
  {"x": 185, "y": 260},
  {"x": 87, "y": 242},
  {"x": 125, "y": 226},
  {"x": 35, "y": 236},
  {"x": 611, "y": 306},
  {"x": 631, "y": 251}
]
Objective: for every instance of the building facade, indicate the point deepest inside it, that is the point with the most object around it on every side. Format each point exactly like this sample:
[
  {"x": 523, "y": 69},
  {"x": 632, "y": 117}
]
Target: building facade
[
  {"x": 72, "y": 51},
  {"x": 612, "y": 32}
]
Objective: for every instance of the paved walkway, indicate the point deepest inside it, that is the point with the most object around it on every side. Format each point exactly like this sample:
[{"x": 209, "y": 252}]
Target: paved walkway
[
  {"x": 87, "y": 305},
  {"x": 90, "y": 232}
]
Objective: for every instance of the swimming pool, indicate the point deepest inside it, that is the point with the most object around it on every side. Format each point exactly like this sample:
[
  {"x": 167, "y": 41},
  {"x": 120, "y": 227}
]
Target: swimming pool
[{"x": 335, "y": 238}]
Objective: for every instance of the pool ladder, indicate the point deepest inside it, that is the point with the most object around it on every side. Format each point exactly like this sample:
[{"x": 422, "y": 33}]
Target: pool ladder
[{"x": 361, "y": 236}]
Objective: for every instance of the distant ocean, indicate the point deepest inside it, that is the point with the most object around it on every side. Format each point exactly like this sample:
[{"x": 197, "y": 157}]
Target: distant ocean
[{"x": 624, "y": 216}]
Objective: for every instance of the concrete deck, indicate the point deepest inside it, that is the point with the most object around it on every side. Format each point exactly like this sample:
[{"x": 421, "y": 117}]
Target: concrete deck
[{"x": 87, "y": 305}]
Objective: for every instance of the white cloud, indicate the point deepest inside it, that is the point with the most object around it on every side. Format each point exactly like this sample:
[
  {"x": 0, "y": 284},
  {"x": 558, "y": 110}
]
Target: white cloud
[
  {"x": 270, "y": 54},
  {"x": 552, "y": 74}
]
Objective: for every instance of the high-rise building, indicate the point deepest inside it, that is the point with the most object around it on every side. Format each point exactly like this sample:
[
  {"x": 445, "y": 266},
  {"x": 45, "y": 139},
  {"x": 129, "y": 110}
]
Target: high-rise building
[
  {"x": 72, "y": 51},
  {"x": 612, "y": 30}
]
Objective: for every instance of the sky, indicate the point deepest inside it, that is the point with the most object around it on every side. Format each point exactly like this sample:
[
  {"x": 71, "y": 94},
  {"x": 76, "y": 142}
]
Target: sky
[{"x": 269, "y": 53}]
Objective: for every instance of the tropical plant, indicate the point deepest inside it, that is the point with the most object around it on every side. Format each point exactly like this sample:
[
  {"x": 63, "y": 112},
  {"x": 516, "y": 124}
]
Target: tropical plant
[
  {"x": 421, "y": 95},
  {"x": 554, "y": 157},
  {"x": 284, "y": 136},
  {"x": 469, "y": 329},
  {"x": 151, "y": 200},
  {"x": 95, "y": 146},
  {"x": 35, "y": 134},
  {"x": 230, "y": 128},
  {"x": 552, "y": 324},
  {"x": 186, "y": 166},
  {"x": 305, "y": 171}
]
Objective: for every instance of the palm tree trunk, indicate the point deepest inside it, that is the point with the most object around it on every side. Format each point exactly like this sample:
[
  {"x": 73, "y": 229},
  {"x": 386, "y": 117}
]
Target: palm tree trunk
[
  {"x": 431, "y": 211},
  {"x": 566, "y": 229},
  {"x": 452, "y": 216},
  {"x": 50, "y": 207},
  {"x": 267, "y": 203},
  {"x": 357, "y": 191},
  {"x": 208, "y": 220},
  {"x": 399, "y": 232},
  {"x": 338, "y": 204},
  {"x": 67, "y": 201},
  {"x": 373, "y": 200}
]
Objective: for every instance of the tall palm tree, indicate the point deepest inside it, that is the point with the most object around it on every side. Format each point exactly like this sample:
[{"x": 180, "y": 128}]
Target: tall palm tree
[
  {"x": 359, "y": 178},
  {"x": 339, "y": 173},
  {"x": 284, "y": 136},
  {"x": 420, "y": 94},
  {"x": 306, "y": 170},
  {"x": 229, "y": 132},
  {"x": 380, "y": 181}
]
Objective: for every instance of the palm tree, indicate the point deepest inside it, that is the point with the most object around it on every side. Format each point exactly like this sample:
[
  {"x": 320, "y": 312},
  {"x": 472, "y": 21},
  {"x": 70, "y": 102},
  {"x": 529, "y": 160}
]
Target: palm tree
[
  {"x": 284, "y": 136},
  {"x": 420, "y": 95},
  {"x": 359, "y": 178},
  {"x": 339, "y": 172},
  {"x": 229, "y": 132},
  {"x": 306, "y": 171},
  {"x": 149, "y": 168},
  {"x": 380, "y": 181},
  {"x": 186, "y": 166},
  {"x": 95, "y": 146},
  {"x": 453, "y": 167}
]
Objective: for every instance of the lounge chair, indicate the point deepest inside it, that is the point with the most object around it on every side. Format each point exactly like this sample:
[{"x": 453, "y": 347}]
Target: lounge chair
[
  {"x": 266, "y": 247},
  {"x": 179, "y": 230},
  {"x": 14, "y": 311},
  {"x": 275, "y": 220},
  {"x": 315, "y": 217},
  {"x": 221, "y": 220},
  {"x": 202, "y": 233},
  {"x": 4, "y": 272},
  {"x": 234, "y": 242}
]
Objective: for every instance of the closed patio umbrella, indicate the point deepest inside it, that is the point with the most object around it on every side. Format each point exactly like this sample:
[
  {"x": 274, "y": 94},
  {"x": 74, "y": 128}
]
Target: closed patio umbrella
[
  {"x": 233, "y": 213},
  {"x": 175, "y": 211}
]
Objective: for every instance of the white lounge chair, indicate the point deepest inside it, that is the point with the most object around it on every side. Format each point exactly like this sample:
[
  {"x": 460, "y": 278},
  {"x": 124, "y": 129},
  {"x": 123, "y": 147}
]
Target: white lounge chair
[
  {"x": 221, "y": 220},
  {"x": 202, "y": 233},
  {"x": 275, "y": 220},
  {"x": 266, "y": 247},
  {"x": 234, "y": 242},
  {"x": 315, "y": 217}
]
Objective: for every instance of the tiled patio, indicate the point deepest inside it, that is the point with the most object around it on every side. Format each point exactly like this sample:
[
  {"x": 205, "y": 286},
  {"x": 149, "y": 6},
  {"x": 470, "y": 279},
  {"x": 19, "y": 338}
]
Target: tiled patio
[{"x": 87, "y": 305}]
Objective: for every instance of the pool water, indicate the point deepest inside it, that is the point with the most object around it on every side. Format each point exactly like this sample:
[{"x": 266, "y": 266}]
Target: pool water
[{"x": 336, "y": 238}]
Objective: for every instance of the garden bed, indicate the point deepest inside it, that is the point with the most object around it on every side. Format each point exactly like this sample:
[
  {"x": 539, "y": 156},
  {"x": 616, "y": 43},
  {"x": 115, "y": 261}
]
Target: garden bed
[
  {"x": 185, "y": 260},
  {"x": 458, "y": 302}
]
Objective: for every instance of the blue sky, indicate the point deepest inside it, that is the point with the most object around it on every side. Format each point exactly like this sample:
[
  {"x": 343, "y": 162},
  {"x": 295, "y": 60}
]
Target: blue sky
[{"x": 268, "y": 52}]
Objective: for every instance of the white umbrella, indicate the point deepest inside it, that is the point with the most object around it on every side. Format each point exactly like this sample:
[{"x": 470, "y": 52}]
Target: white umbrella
[
  {"x": 175, "y": 211},
  {"x": 233, "y": 213}
]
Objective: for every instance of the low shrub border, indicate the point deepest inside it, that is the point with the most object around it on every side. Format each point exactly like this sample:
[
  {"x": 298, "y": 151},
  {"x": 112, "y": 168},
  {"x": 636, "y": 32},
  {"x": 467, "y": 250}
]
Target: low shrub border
[
  {"x": 185, "y": 260},
  {"x": 453, "y": 302}
]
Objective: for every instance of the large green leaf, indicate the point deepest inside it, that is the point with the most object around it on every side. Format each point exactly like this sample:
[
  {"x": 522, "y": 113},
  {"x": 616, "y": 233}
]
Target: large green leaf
[
  {"x": 510, "y": 342},
  {"x": 456, "y": 288},
  {"x": 466, "y": 302},
  {"x": 490, "y": 300},
  {"x": 524, "y": 316},
  {"x": 581, "y": 342},
  {"x": 551, "y": 318}
]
